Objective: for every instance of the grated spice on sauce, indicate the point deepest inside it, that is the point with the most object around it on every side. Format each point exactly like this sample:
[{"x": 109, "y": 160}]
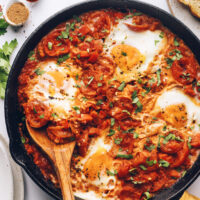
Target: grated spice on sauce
[{"x": 17, "y": 13}]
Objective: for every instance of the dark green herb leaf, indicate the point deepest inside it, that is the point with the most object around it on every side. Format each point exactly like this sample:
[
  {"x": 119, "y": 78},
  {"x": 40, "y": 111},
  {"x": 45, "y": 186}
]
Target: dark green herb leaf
[
  {"x": 124, "y": 53},
  {"x": 143, "y": 167},
  {"x": 125, "y": 156},
  {"x": 158, "y": 72},
  {"x": 112, "y": 121},
  {"x": 78, "y": 19},
  {"x": 99, "y": 102},
  {"x": 50, "y": 45},
  {"x": 23, "y": 140},
  {"x": 176, "y": 43},
  {"x": 121, "y": 87},
  {"x": 39, "y": 72},
  {"x": 149, "y": 148},
  {"x": 42, "y": 116},
  {"x": 111, "y": 132},
  {"x": 188, "y": 143},
  {"x": 117, "y": 140},
  {"x": 109, "y": 173},
  {"x": 161, "y": 35},
  {"x": 77, "y": 109},
  {"x": 163, "y": 163},
  {"x": 63, "y": 58}
]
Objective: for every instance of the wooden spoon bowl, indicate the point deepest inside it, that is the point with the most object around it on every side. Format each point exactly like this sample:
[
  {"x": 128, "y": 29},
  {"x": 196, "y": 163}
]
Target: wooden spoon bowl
[{"x": 59, "y": 154}]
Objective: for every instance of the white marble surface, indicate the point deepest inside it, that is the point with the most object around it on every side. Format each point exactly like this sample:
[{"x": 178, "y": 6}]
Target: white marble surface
[{"x": 39, "y": 12}]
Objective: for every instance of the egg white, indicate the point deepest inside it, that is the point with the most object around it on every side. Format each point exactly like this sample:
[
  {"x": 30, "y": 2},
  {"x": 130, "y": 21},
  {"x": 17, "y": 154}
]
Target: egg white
[
  {"x": 144, "y": 41},
  {"x": 103, "y": 183},
  {"x": 176, "y": 96},
  {"x": 45, "y": 88}
]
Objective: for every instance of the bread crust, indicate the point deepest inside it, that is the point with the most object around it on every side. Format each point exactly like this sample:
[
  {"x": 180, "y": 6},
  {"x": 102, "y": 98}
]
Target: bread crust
[{"x": 193, "y": 5}]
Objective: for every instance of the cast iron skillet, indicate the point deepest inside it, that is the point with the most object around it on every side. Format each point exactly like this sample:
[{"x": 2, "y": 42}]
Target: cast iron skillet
[{"x": 13, "y": 116}]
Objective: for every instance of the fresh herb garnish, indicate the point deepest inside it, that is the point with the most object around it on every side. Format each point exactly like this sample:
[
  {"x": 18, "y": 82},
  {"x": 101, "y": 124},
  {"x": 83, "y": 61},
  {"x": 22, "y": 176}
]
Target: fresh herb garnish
[
  {"x": 112, "y": 121},
  {"x": 121, "y": 87},
  {"x": 42, "y": 116},
  {"x": 124, "y": 53},
  {"x": 158, "y": 72},
  {"x": 156, "y": 42},
  {"x": 161, "y": 35},
  {"x": 23, "y": 140},
  {"x": 176, "y": 43},
  {"x": 91, "y": 78},
  {"x": 151, "y": 162},
  {"x": 39, "y": 72},
  {"x": 111, "y": 132},
  {"x": 77, "y": 109},
  {"x": 163, "y": 163},
  {"x": 109, "y": 173},
  {"x": 149, "y": 148},
  {"x": 135, "y": 100},
  {"x": 50, "y": 45},
  {"x": 143, "y": 167},
  {"x": 117, "y": 140},
  {"x": 188, "y": 143},
  {"x": 125, "y": 156},
  {"x": 99, "y": 102},
  {"x": 63, "y": 58}
]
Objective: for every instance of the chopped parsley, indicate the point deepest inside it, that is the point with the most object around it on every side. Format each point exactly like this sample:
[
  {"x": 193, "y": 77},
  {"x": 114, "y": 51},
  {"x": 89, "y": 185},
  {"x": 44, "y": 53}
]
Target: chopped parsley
[
  {"x": 158, "y": 72},
  {"x": 54, "y": 115},
  {"x": 42, "y": 116},
  {"x": 91, "y": 78},
  {"x": 118, "y": 140},
  {"x": 188, "y": 143},
  {"x": 78, "y": 19},
  {"x": 109, "y": 173},
  {"x": 135, "y": 100},
  {"x": 126, "y": 111},
  {"x": 99, "y": 102},
  {"x": 50, "y": 45},
  {"x": 143, "y": 167},
  {"x": 151, "y": 162},
  {"x": 163, "y": 163},
  {"x": 162, "y": 35},
  {"x": 84, "y": 99},
  {"x": 39, "y": 72},
  {"x": 111, "y": 132},
  {"x": 125, "y": 156},
  {"x": 77, "y": 109},
  {"x": 99, "y": 84},
  {"x": 110, "y": 104},
  {"x": 63, "y": 58},
  {"x": 121, "y": 87},
  {"x": 34, "y": 110},
  {"x": 176, "y": 43},
  {"x": 156, "y": 42},
  {"x": 124, "y": 53},
  {"x": 149, "y": 148},
  {"x": 23, "y": 140},
  {"x": 112, "y": 121},
  {"x": 148, "y": 195}
]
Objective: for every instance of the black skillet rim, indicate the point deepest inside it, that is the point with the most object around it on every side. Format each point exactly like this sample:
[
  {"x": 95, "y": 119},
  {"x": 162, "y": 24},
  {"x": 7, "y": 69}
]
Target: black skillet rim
[{"x": 11, "y": 105}]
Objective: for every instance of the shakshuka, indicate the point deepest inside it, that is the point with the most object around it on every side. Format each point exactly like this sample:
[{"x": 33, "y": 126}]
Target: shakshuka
[{"x": 127, "y": 90}]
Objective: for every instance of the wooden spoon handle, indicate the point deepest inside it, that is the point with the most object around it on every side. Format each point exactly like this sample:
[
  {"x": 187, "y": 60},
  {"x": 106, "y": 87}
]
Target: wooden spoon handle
[{"x": 62, "y": 161}]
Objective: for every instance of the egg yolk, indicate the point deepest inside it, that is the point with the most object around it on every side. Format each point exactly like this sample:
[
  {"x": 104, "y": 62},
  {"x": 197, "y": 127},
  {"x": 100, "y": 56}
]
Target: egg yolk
[
  {"x": 98, "y": 162},
  {"x": 58, "y": 77},
  {"x": 126, "y": 56},
  {"x": 175, "y": 115}
]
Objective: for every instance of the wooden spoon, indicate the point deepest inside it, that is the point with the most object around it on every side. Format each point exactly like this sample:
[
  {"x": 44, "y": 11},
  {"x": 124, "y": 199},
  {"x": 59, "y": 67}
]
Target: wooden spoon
[{"x": 60, "y": 155}]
